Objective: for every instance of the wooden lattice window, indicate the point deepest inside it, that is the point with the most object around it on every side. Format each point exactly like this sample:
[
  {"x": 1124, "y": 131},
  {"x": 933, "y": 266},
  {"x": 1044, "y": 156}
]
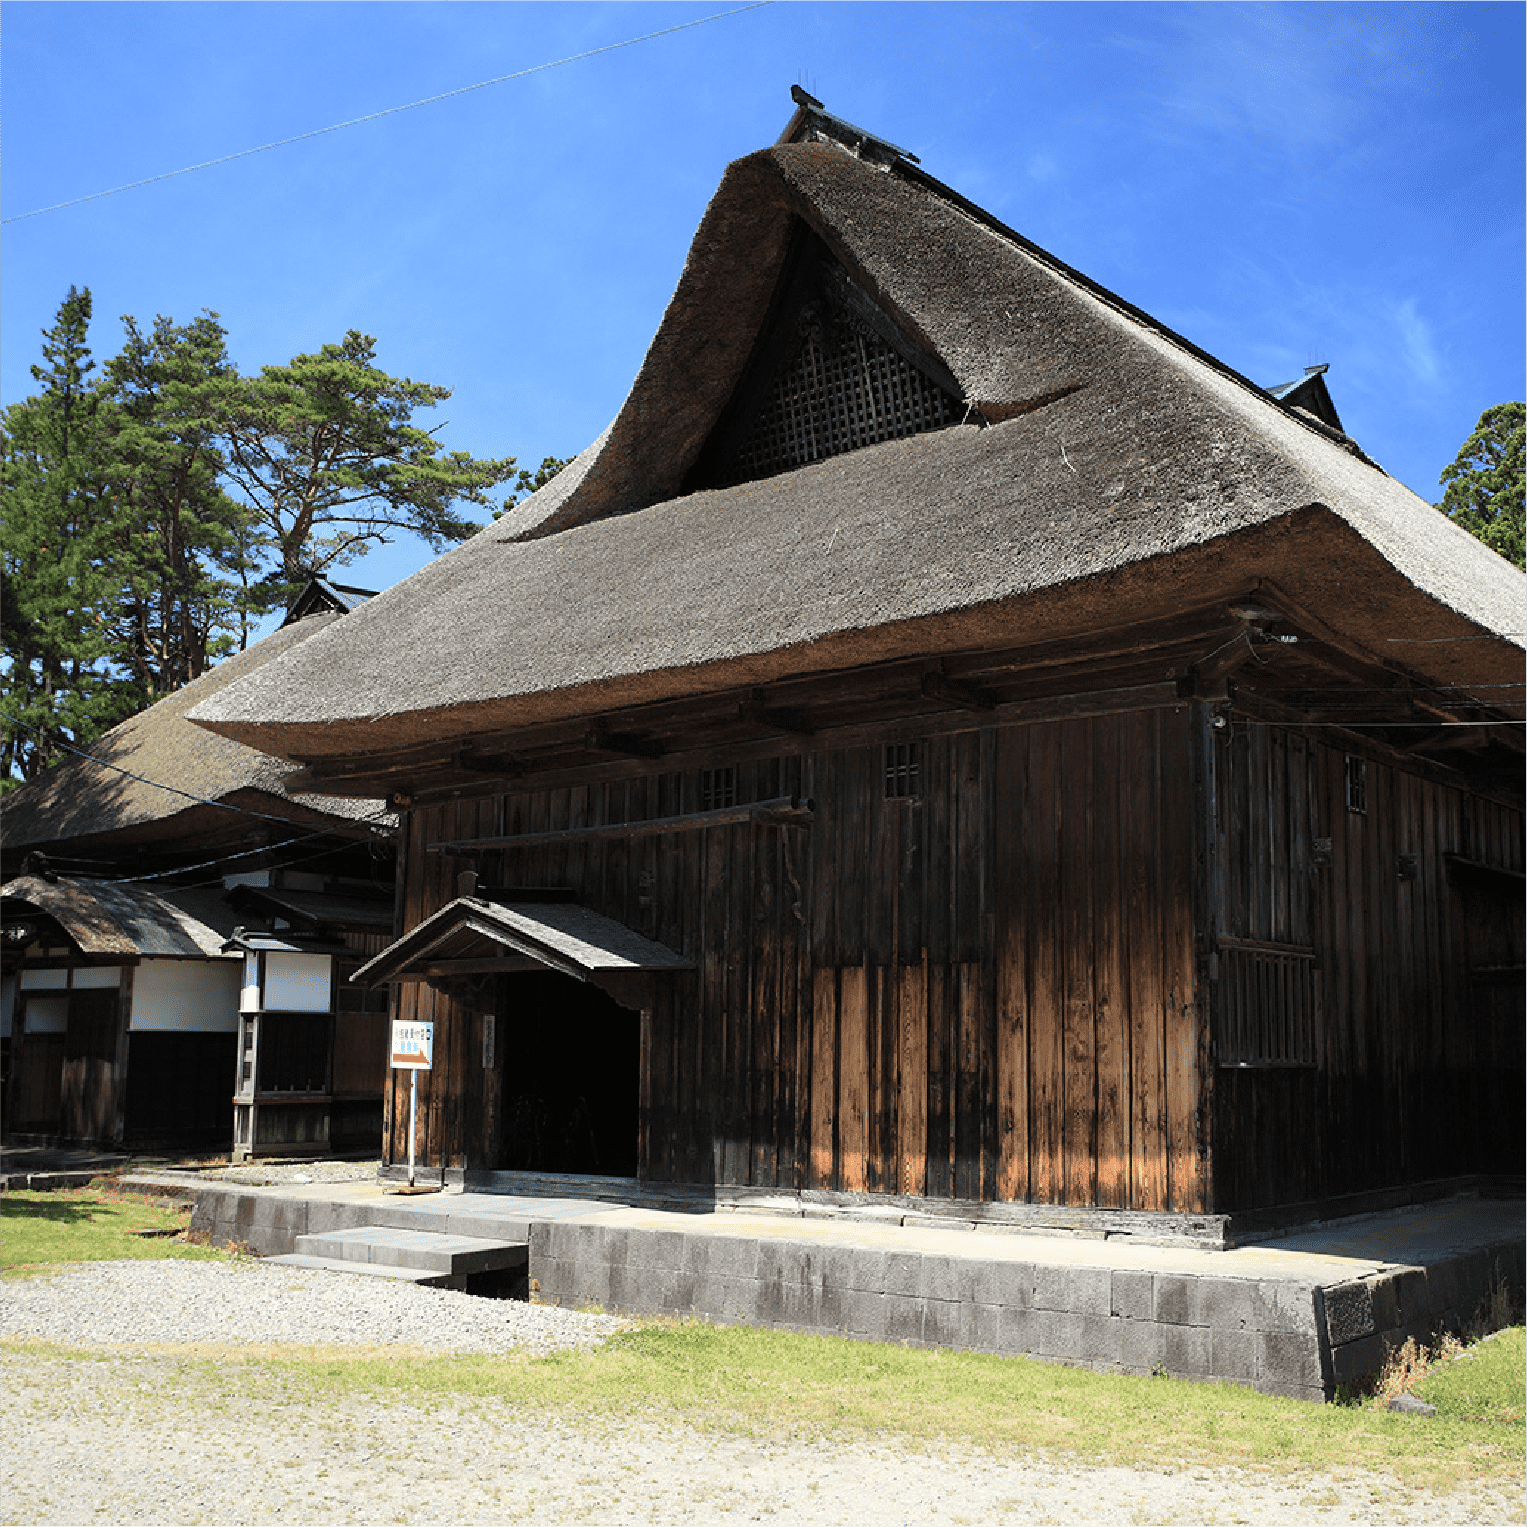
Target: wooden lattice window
[
  {"x": 1268, "y": 998},
  {"x": 718, "y": 789},
  {"x": 845, "y": 389},
  {"x": 295, "y": 1051},
  {"x": 831, "y": 371},
  {"x": 903, "y": 770}
]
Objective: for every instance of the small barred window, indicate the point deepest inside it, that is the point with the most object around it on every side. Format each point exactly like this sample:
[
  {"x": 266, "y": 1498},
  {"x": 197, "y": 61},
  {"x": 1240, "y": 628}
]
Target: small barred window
[
  {"x": 903, "y": 770},
  {"x": 1269, "y": 1004},
  {"x": 718, "y": 789},
  {"x": 1357, "y": 784}
]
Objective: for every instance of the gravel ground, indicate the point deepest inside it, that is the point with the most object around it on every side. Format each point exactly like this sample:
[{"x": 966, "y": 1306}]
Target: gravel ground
[
  {"x": 131, "y": 1303},
  {"x": 144, "y": 1436},
  {"x": 264, "y": 1174}
]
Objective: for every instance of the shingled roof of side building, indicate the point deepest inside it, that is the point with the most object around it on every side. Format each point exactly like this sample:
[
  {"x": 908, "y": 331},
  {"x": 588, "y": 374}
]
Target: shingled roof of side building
[
  {"x": 1097, "y": 465},
  {"x": 114, "y": 802}
]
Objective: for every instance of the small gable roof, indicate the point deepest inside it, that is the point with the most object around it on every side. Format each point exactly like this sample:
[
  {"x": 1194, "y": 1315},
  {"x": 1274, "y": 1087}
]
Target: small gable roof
[
  {"x": 1310, "y": 393},
  {"x": 322, "y": 594},
  {"x": 561, "y": 936},
  {"x": 1101, "y": 463}
]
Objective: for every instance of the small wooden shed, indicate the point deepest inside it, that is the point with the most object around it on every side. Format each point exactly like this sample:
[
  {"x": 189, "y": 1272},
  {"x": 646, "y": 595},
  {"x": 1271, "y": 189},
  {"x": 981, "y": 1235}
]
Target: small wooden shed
[{"x": 998, "y": 751}]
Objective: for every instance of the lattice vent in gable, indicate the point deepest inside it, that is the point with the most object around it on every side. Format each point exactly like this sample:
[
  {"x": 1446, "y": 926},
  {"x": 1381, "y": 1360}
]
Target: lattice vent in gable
[
  {"x": 830, "y": 373},
  {"x": 845, "y": 389}
]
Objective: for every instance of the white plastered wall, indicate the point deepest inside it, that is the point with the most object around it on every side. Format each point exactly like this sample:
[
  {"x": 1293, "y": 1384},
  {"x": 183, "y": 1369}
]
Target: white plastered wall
[{"x": 191, "y": 996}]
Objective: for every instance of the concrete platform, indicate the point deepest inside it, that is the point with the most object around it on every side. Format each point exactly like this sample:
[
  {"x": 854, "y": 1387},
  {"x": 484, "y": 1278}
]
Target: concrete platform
[
  {"x": 1295, "y": 1315},
  {"x": 475, "y": 1264},
  {"x": 48, "y": 1168}
]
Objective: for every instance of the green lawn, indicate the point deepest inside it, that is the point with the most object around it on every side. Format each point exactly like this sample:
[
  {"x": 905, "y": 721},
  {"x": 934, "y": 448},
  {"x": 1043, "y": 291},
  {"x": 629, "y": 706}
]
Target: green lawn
[
  {"x": 777, "y": 1384},
  {"x": 90, "y": 1225},
  {"x": 774, "y": 1383}
]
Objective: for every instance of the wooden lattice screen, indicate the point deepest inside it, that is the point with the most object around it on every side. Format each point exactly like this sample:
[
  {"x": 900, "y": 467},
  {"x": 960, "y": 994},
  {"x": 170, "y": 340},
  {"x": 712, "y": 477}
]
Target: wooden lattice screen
[
  {"x": 845, "y": 388},
  {"x": 1268, "y": 995}
]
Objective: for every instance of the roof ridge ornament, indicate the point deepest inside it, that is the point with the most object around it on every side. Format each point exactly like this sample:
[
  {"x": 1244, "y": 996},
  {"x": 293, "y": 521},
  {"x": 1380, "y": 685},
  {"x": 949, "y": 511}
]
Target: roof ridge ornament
[{"x": 813, "y": 123}]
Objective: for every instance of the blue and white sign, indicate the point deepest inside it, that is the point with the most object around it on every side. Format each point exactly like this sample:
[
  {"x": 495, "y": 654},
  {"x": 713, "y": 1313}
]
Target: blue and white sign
[{"x": 413, "y": 1045}]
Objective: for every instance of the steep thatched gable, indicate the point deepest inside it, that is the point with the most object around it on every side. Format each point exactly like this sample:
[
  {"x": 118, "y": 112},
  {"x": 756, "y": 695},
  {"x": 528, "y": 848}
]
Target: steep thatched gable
[{"x": 1099, "y": 464}]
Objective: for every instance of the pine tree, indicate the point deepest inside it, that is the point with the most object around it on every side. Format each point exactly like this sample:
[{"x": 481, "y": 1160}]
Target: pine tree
[
  {"x": 150, "y": 515},
  {"x": 183, "y": 547},
  {"x": 56, "y": 683},
  {"x": 325, "y": 451}
]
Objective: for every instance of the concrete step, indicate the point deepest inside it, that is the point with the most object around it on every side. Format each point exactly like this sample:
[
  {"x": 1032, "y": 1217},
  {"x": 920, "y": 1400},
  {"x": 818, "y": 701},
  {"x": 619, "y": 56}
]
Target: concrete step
[
  {"x": 423, "y": 1251},
  {"x": 365, "y": 1269}
]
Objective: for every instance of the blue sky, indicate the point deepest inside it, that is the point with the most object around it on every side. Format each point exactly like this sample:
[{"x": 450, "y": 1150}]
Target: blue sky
[{"x": 1282, "y": 184}]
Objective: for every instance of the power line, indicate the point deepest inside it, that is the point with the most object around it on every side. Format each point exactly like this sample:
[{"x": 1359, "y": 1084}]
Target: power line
[
  {"x": 248, "y": 853},
  {"x": 374, "y": 116}
]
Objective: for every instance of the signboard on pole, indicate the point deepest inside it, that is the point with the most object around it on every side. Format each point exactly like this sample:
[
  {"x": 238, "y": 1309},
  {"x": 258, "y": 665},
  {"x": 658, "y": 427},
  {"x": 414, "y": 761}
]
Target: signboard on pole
[{"x": 413, "y": 1045}]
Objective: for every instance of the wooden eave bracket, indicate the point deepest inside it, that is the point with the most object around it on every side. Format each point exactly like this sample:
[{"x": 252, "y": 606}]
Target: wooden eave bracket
[{"x": 1205, "y": 680}]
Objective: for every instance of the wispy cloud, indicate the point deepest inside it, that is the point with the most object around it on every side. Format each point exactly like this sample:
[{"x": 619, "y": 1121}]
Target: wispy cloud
[
  {"x": 1416, "y": 344},
  {"x": 1290, "y": 79}
]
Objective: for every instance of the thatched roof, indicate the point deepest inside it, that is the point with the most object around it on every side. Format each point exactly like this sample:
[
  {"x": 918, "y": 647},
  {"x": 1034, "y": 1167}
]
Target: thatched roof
[
  {"x": 110, "y": 920},
  {"x": 86, "y": 808},
  {"x": 1106, "y": 467}
]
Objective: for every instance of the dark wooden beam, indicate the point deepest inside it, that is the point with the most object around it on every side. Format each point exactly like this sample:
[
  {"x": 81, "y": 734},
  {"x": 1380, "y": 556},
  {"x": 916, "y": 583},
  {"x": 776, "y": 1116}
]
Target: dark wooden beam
[
  {"x": 937, "y": 685},
  {"x": 717, "y": 752},
  {"x": 782, "y": 811},
  {"x": 601, "y": 739},
  {"x": 502, "y": 965},
  {"x": 774, "y": 718},
  {"x": 474, "y": 761}
]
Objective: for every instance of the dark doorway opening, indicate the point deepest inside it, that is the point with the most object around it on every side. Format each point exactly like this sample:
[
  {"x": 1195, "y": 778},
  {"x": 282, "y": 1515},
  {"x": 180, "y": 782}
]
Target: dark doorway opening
[{"x": 570, "y": 1061}]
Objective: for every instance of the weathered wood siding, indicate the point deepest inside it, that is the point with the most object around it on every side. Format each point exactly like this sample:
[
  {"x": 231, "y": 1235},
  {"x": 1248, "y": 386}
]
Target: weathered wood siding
[
  {"x": 984, "y": 990},
  {"x": 1415, "y": 1071}
]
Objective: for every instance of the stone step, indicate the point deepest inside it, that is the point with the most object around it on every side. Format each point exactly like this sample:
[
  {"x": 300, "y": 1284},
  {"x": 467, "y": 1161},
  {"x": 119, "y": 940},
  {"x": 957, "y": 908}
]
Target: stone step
[
  {"x": 364, "y": 1269},
  {"x": 424, "y": 1251}
]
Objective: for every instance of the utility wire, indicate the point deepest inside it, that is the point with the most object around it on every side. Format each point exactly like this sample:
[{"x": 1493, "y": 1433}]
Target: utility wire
[
  {"x": 248, "y": 853},
  {"x": 374, "y": 116}
]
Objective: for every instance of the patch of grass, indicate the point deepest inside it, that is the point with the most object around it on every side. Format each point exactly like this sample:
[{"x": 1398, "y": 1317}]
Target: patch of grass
[
  {"x": 1485, "y": 1383},
  {"x": 775, "y": 1384},
  {"x": 91, "y": 1225}
]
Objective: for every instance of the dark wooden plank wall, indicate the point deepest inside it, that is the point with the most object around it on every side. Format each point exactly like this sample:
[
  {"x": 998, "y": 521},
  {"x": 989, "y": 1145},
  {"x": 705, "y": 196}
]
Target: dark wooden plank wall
[
  {"x": 985, "y": 991},
  {"x": 1404, "y": 1088},
  {"x": 35, "y": 1084},
  {"x": 178, "y": 1087}
]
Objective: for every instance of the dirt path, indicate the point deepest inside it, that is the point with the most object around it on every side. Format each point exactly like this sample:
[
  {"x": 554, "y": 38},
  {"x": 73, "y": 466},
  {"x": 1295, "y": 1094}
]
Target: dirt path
[{"x": 135, "y": 1437}]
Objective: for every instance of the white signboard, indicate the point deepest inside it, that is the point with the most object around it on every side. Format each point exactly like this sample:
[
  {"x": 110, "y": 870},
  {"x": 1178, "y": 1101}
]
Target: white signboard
[{"x": 413, "y": 1045}]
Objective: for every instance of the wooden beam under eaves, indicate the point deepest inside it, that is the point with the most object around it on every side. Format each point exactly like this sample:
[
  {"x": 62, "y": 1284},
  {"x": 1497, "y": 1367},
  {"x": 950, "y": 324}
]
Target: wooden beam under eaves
[
  {"x": 782, "y": 811},
  {"x": 599, "y": 739},
  {"x": 936, "y": 685},
  {"x": 774, "y": 718}
]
